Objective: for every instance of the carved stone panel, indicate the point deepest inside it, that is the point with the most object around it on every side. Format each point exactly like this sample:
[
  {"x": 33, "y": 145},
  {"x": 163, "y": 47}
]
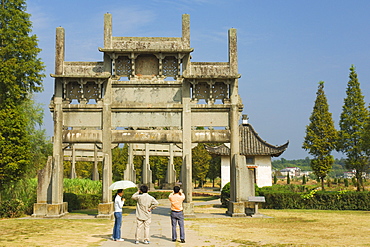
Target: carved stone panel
[
  {"x": 147, "y": 65},
  {"x": 220, "y": 90},
  {"x": 170, "y": 67},
  {"x": 123, "y": 66},
  {"x": 82, "y": 119},
  {"x": 150, "y": 95},
  {"x": 146, "y": 119},
  {"x": 210, "y": 119}
]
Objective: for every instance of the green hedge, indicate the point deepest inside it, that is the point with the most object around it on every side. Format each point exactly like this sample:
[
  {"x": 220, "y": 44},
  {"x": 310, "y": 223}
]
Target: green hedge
[
  {"x": 325, "y": 200},
  {"x": 306, "y": 197},
  {"x": 82, "y": 201}
]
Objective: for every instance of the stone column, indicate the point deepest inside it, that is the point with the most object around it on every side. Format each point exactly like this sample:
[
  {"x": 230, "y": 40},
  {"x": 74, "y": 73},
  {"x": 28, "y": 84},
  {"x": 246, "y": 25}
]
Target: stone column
[
  {"x": 147, "y": 177},
  {"x": 73, "y": 163},
  {"x": 105, "y": 209},
  {"x": 130, "y": 173},
  {"x": 54, "y": 206},
  {"x": 95, "y": 171},
  {"x": 236, "y": 205},
  {"x": 186, "y": 169},
  {"x": 171, "y": 172},
  {"x": 186, "y": 30}
]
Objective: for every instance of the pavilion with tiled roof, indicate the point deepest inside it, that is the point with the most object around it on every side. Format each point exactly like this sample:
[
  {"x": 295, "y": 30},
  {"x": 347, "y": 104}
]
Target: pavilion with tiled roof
[{"x": 257, "y": 154}]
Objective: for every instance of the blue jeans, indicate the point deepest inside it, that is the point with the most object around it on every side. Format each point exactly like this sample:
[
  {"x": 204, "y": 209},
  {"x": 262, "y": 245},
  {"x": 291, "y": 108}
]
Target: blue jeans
[
  {"x": 177, "y": 217},
  {"x": 117, "y": 225}
]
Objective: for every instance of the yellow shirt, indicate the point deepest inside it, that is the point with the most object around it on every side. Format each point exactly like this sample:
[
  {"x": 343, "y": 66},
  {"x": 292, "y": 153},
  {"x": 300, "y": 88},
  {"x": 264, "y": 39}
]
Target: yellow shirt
[{"x": 176, "y": 201}]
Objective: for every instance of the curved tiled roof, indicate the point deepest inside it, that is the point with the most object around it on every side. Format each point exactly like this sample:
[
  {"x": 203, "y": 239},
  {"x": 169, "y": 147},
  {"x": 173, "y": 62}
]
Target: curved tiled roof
[{"x": 250, "y": 144}]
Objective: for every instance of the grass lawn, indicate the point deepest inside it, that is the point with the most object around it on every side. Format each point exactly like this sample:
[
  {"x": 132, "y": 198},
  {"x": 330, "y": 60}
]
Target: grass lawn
[
  {"x": 289, "y": 228},
  {"x": 285, "y": 228},
  {"x": 57, "y": 232}
]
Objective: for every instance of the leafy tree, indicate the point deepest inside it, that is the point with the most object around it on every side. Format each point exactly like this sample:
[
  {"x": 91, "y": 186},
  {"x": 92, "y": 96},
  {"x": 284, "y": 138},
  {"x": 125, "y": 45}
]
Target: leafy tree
[
  {"x": 288, "y": 178},
  {"x": 321, "y": 136},
  {"x": 20, "y": 69},
  {"x": 20, "y": 76},
  {"x": 201, "y": 161},
  {"x": 119, "y": 161},
  {"x": 352, "y": 122},
  {"x": 158, "y": 165}
]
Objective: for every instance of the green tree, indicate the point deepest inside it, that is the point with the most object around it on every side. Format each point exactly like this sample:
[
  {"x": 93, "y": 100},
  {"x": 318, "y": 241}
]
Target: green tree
[
  {"x": 321, "y": 136},
  {"x": 20, "y": 76},
  {"x": 214, "y": 169},
  {"x": 366, "y": 145},
  {"x": 119, "y": 161},
  {"x": 352, "y": 123},
  {"x": 201, "y": 161}
]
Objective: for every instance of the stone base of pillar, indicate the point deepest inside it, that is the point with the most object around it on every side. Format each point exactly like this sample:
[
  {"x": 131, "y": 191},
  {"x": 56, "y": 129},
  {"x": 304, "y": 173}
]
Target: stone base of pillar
[
  {"x": 105, "y": 210},
  {"x": 236, "y": 209},
  {"x": 46, "y": 210},
  {"x": 188, "y": 209},
  {"x": 168, "y": 186},
  {"x": 150, "y": 186}
]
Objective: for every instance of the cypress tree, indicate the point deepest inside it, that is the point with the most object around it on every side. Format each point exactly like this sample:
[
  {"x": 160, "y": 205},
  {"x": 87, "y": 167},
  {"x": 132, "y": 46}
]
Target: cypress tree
[
  {"x": 321, "y": 136},
  {"x": 352, "y": 123}
]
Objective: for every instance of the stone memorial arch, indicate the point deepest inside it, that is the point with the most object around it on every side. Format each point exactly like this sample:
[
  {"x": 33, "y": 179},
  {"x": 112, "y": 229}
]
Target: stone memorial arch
[{"x": 146, "y": 90}]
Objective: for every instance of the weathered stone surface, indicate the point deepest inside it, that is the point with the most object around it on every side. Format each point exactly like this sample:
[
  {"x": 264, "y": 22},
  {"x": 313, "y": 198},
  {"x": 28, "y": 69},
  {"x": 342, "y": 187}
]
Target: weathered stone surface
[{"x": 146, "y": 90}]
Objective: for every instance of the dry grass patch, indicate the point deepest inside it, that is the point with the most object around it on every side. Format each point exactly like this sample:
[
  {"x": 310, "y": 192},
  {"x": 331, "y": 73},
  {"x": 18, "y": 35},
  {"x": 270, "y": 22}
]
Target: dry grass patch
[
  {"x": 54, "y": 232},
  {"x": 290, "y": 228}
]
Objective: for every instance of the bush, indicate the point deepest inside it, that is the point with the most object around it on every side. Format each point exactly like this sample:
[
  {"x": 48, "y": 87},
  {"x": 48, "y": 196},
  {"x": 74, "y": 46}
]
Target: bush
[
  {"x": 325, "y": 200},
  {"x": 11, "y": 208},
  {"x": 82, "y": 201}
]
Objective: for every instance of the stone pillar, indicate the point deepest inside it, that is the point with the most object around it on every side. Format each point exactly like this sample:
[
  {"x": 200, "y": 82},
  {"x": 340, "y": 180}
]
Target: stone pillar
[
  {"x": 147, "y": 177},
  {"x": 186, "y": 30},
  {"x": 105, "y": 209},
  {"x": 171, "y": 172},
  {"x": 186, "y": 169},
  {"x": 43, "y": 189},
  {"x": 130, "y": 173},
  {"x": 236, "y": 205},
  {"x": 95, "y": 171},
  {"x": 73, "y": 163},
  {"x": 107, "y": 30},
  {"x": 50, "y": 191}
]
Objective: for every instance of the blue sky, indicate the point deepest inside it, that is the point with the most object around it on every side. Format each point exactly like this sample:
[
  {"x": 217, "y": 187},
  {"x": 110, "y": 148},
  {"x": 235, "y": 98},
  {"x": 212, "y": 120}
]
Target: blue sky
[{"x": 285, "y": 47}]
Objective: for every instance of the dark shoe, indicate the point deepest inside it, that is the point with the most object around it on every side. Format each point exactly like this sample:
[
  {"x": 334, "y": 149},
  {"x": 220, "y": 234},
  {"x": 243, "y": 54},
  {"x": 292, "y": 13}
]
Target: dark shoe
[
  {"x": 173, "y": 240},
  {"x": 182, "y": 240}
]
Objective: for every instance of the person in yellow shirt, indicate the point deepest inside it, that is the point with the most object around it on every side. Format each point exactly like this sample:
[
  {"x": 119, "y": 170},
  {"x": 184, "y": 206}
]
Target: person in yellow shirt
[{"x": 177, "y": 216}]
